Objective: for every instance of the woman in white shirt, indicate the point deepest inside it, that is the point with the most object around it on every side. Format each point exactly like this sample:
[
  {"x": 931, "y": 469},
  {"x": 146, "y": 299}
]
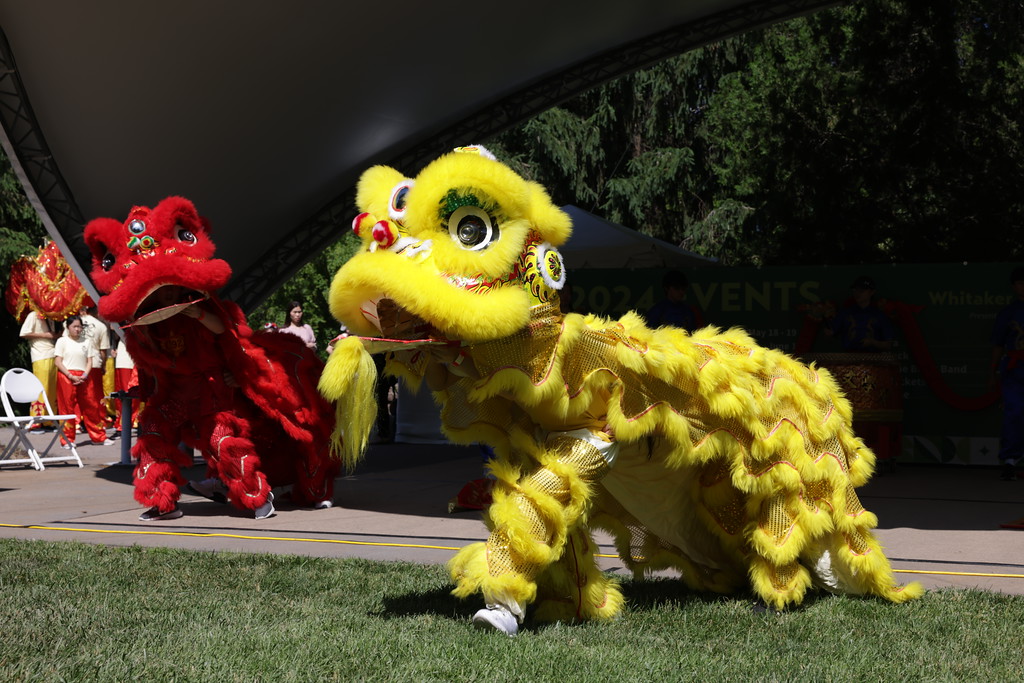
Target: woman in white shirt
[
  {"x": 74, "y": 356},
  {"x": 126, "y": 377}
]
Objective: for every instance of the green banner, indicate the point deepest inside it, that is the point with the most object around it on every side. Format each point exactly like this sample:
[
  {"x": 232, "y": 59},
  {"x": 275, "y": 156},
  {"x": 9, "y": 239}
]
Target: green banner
[{"x": 943, "y": 315}]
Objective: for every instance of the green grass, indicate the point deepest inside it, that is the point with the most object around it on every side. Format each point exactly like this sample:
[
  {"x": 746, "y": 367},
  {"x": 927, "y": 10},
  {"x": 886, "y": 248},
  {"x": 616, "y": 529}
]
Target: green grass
[{"x": 80, "y": 612}]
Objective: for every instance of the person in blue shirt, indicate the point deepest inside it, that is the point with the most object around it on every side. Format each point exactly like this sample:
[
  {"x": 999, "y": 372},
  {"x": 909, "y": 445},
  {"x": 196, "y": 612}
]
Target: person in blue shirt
[
  {"x": 1008, "y": 370},
  {"x": 673, "y": 309},
  {"x": 862, "y": 326}
]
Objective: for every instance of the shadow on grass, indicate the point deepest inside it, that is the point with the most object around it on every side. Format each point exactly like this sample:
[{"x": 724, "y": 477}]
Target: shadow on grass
[
  {"x": 650, "y": 595},
  {"x": 437, "y": 602},
  {"x": 640, "y": 596},
  {"x": 653, "y": 594}
]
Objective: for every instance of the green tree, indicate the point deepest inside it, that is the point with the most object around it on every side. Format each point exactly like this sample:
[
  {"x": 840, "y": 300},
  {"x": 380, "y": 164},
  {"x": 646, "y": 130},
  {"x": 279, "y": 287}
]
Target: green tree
[
  {"x": 630, "y": 150},
  {"x": 21, "y": 234},
  {"x": 878, "y": 131},
  {"x": 21, "y": 231}
]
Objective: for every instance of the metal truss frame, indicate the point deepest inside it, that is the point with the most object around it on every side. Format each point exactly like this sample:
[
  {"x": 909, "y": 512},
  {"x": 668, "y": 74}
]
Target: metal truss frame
[{"x": 37, "y": 170}]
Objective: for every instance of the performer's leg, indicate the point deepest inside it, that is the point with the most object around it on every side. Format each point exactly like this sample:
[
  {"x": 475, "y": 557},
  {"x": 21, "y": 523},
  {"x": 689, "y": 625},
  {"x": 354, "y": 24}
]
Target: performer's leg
[
  {"x": 314, "y": 483},
  {"x": 91, "y": 411},
  {"x": 1011, "y": 441},
  {"x": 121, "y": 376},
  {"x": 49, "y": 369},
  {"x": 315, "y": 471},
  {"x": 95, "y": 395},
  {"x": 232, "y": 450},
  {"x": 67, "y": 404},
  {"x": 158, "y": 474},
  {"x": 126, "y": 379},
  {"x": 575, "y": 588},
  {"x": 45, "y": 371},
  {"x": 110, "y": 406},
  {"x": 532, "y": 519}
]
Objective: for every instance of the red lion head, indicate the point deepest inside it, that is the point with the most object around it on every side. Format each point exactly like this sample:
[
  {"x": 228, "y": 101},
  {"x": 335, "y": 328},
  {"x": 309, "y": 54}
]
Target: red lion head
[{"x": 157, "y": 258}]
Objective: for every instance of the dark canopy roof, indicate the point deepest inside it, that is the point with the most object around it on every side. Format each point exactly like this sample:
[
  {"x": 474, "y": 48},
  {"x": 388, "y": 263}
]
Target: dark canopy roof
[
  {"x": 599, "y": 243},
  {"x": 265, "y": 113}
]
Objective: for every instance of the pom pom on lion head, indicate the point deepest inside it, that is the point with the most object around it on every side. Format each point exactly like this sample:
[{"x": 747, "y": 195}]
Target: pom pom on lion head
[
  {"x": 462, "y": 251},
  {"x": 155, "y": 260}
]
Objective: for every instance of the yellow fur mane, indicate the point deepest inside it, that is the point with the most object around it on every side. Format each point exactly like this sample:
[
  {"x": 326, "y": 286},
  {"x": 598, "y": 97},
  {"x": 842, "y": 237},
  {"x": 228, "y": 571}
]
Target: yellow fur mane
[{"x": 735, "y": 462}]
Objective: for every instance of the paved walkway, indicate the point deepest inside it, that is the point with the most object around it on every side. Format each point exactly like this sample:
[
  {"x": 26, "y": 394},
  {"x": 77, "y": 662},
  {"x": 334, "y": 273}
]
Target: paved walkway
[{"x": 940, "y": 521}]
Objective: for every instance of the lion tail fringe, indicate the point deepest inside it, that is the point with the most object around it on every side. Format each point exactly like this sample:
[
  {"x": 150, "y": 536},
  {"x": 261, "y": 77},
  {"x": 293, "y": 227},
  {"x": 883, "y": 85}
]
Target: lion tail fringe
[
  {"x": 868, "y": 572},
  {"x": 349, "y": 382}
]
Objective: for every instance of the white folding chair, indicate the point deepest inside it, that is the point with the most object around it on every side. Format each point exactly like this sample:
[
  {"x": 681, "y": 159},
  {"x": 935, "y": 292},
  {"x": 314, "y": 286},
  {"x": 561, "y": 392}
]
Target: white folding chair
[{"x": 21, "y": 386}]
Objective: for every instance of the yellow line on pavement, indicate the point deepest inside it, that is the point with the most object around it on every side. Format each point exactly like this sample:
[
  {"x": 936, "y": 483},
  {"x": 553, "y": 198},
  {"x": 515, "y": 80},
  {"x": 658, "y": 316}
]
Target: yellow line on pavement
[
  {"x": 244, "y": 537},
  {"x": 210, "y": 534},
  {"x": 990, "y": 576}
]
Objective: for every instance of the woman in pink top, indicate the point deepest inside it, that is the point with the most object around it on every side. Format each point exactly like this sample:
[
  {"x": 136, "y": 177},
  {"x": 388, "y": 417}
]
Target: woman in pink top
[{"x": 293, "y": 325}]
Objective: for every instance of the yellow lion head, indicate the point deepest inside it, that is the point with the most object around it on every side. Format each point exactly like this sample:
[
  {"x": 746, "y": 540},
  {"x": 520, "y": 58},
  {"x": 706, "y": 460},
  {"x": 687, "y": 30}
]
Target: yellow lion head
[{"x": 462, "y": 251}]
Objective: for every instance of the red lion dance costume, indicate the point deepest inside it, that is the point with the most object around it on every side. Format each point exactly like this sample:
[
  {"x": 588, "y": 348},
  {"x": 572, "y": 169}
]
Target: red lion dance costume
[{"x": 247, "y": 401}]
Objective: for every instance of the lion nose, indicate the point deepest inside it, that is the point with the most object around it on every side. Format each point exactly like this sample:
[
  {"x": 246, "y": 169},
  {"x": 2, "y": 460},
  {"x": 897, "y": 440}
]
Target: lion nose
[
  {"x": 384, "y": 234},
  {"x": 357, "y": 223}
]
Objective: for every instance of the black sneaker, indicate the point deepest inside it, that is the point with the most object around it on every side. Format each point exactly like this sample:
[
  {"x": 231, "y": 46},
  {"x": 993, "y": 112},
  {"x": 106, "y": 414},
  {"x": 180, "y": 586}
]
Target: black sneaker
[
  {"x": 153, "y": 514},
  {"x": 1008, "y": 472},
  {"x": 267, "y": 509}
]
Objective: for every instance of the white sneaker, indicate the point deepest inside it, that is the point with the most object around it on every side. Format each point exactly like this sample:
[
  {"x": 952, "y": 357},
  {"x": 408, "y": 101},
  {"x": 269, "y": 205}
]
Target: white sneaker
[
  {"x": 153, "y": 514},
  {"x": 213, "y": 489},
  {"x": 267, "y": 509},
  {"x": 496, "y": 618},
  {"x": 323, "y": 505}
]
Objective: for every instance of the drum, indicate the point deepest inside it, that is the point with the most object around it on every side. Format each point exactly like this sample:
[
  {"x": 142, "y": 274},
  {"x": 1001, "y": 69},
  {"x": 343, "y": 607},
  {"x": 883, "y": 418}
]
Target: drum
[{"x": 873, "y": 386}]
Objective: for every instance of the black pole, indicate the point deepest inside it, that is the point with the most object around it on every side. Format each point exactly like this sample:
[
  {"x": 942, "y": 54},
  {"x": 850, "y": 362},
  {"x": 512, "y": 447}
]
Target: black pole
[{"x": 126, "y": 426}]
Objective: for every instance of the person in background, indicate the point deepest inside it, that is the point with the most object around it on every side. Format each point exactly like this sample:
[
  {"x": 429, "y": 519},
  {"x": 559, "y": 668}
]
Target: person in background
[
  {"x": 343, "y": 332},
  {"x": 1008, "y": 370},
  {"x": 126, "y": 377},
  {"x": 113, "y": 406},
  {"x": 41, "y": 334},
  {"x": 862, "y": 326},
  {"x": 74, "y": 356},
  {"x": 673, "y": 309},
  {"x": 293, "y": 325},
  {"x": 99, "y": 332},
  {"x": 387, "y": 395}
]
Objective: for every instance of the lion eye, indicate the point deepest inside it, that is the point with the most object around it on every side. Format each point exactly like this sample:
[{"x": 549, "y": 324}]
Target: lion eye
[
  {"x": 186, "y": 235},
  {"x": 108, "y": 261},
  {"x": 472, "y": 228},
  {"x": 397, "y": 205}
]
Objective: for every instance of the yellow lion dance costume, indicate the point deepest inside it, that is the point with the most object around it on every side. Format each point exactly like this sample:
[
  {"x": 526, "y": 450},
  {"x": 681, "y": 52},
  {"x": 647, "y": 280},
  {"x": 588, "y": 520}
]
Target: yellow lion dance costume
[{"x": 704, "y": 453}]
